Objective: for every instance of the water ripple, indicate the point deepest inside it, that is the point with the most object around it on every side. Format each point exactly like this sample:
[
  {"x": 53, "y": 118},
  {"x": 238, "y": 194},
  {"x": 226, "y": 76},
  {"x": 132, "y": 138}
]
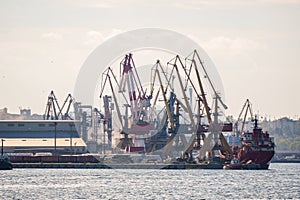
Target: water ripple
[{"x": 282, "y": 181}]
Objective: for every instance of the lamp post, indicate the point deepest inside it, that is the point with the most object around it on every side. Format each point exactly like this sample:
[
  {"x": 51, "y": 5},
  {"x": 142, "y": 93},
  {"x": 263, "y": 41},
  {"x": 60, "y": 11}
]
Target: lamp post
[
  {"x": 71, "y": 136},
  {"x": 55, "y": 124},
  {"x": 75, "y": 147},
  {"x": 104, "y": 130},
  {"x": 2, "y": 146}
]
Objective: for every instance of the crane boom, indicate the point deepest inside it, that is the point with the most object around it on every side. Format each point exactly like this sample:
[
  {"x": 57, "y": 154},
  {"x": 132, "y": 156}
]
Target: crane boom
[
  {"x": 165, "y": 100},
  {"x": 116, "y": 102},
  {"x": 210, "y": 82},
  {"x": 107, "y": 73},
  {"x": 66, "y": 115},
  {"x": 52, "y": 105},
  {"x": 183, "y": 92},
  {"x": 202, "y": 93},
  {"x": 246, "y": 107}
]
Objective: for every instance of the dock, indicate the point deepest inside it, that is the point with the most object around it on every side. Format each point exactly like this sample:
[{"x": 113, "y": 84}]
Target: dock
[{"x": 180, "y": 166}]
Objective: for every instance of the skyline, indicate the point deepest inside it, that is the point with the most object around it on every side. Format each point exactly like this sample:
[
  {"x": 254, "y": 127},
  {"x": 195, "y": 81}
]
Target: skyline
[{"x": 45, "y": 43}]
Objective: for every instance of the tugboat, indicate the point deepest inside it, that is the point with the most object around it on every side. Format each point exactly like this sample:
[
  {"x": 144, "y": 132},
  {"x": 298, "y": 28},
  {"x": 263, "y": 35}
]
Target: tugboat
[
  {"x": 5, "y": 163},
  {"x": 234, "y": 164}
]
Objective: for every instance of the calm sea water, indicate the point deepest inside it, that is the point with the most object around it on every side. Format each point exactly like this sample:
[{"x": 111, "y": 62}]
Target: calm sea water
[{"x": 281, "y": 181}]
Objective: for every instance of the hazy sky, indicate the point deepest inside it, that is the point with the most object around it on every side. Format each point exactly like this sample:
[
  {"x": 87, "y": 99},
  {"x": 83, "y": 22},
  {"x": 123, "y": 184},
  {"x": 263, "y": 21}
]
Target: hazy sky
[{"x": 255, "y": 45}]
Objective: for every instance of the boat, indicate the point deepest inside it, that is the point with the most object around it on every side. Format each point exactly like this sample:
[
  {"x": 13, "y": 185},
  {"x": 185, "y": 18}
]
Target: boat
[
  {"x": 234, "y": 164},
  {"x": 257, "y": 148},
  {"x": 253, "y": 148},
  {"x": 5, "y": 163}
]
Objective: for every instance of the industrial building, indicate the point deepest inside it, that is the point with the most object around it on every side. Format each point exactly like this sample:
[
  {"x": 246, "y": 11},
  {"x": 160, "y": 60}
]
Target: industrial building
[{"x": 55, "y": 136}]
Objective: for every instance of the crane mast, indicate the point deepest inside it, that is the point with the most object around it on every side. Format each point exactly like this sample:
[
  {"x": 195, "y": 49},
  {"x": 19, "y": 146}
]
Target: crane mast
[{"x": 139, "y": 101}]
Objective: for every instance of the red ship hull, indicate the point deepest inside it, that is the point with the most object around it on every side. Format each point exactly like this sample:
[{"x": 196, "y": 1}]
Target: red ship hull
[{"x": 257, "y": 156}]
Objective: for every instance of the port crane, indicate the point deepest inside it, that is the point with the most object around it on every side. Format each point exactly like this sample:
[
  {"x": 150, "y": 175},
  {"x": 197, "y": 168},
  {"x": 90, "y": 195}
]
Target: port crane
[
  {"x": 106, "y": 76},
  {"x": 215, "y": 126},
  {"x": 195, "y": 58},
  {"x": 125, "y": 142},
  {"x": 158, "y": 140},
  {"x": 136, "y": 123},
  {"x": 197, "y": 128},
  {"x": 171, "y": 108},
  {"x": 54, "y": 111},
  {"x": 136, "y": 120},
  {"x": 52, "y": 107},
  {"x": 139, "y": 101},
  {"x": 247, "y": 107},
  {"x": 66, "y": 115},
  {"x": 168, "y": 104},
  {"x": 177, "y": 131},
  {"x": 174, "y": 64}
]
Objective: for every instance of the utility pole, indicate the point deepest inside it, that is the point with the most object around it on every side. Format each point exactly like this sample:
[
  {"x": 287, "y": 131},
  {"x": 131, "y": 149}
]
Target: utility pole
[
  {"x": 2, "y": 146},
  {"x": 71, "y": 136},
  {"x": 55, "y": 124}
]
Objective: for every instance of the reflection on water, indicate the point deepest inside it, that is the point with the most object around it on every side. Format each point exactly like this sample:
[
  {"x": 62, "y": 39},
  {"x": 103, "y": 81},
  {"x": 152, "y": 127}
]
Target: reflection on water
[{"x": 281, "y": 181}]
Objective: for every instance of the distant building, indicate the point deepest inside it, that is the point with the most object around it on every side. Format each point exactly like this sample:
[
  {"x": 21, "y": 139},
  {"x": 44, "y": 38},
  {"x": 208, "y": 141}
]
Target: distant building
[
  {"x": 283, "y": 126},
  {"x": 25, "y": 114}
]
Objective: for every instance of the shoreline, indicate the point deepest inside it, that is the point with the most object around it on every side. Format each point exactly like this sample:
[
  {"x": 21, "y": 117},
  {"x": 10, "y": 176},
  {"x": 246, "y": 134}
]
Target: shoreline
[
  {"x": 285, "y": 161},
  {"x": 180, "y": 166},
  {"x": 172, "y": 166}
]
